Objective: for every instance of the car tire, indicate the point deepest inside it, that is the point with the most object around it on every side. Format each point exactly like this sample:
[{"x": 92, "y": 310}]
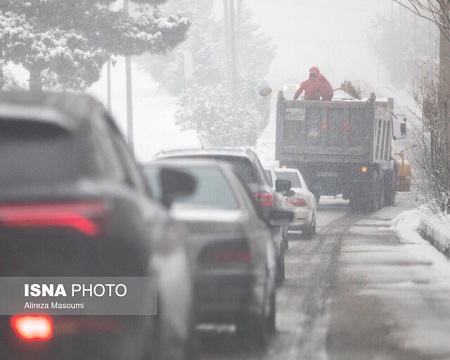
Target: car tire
[
  {"x": 281, "y": 276},
  {"x": 310, "y": 231},
  {"x": 253, "y": 331},
  {"x": 271, "y": 319},
  {"x": 193, "y": 343}
]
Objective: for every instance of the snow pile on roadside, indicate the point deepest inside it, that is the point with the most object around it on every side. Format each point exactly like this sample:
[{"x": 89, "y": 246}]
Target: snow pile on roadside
[
  {"x": 418, "y": 224},
  {"x": 437, "y": 231}
]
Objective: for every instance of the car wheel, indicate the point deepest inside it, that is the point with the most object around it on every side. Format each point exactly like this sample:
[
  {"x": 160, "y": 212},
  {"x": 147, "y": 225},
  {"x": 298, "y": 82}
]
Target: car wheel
[
  {"x": 280, "y": 271},
  {"x": 314, "y": 227},
  {"x": 310, "y": 231},
  {"x": 192, "y": 343},
  {"x": 253, "y": 331},
  {"x": 271, "y": 319}
]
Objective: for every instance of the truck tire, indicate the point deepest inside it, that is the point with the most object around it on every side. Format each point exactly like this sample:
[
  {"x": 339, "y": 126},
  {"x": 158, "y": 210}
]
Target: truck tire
[
  {"x": 381, "y": 189},
  {"x": 372, "y": 199},
  {"x": 356, "y": 203},
  {"x": 390, "y": 188}
]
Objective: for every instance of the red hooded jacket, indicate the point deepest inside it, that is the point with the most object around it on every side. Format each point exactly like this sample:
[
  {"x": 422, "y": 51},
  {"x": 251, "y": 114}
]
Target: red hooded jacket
[{"x": 317, "y": 87}]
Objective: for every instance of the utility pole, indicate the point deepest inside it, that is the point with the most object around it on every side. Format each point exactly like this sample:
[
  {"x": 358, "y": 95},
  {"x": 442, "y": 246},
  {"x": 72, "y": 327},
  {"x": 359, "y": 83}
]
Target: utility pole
[
  {"x": 129, "y": 93},
  {"x": 230, "y": 44},
  {"x": 108, "y": 85}
]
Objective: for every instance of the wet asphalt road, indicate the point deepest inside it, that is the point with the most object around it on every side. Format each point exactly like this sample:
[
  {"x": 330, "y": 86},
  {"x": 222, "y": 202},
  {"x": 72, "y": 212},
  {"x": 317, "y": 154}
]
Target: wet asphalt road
[{"x": 353, "y": 292}]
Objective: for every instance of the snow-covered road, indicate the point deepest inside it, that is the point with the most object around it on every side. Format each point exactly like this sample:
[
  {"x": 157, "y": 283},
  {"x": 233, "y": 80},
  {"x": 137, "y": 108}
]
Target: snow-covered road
[{"x": 356, "y": 291}]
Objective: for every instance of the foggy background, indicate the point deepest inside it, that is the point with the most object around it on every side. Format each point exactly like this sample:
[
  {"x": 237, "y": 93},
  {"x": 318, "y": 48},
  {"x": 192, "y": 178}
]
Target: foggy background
[{"x": 331, "y": 35}]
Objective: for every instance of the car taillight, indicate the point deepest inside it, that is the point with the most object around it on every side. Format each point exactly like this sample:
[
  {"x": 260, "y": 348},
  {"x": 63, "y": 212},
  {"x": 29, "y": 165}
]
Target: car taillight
[
  {"x": 226, "y": 252},
  {"x": 265, "y": 199},
  {"x": 87, "y": 217},
  {"x": 297, "y": 202},
  {"x": 32, "y": 327}
]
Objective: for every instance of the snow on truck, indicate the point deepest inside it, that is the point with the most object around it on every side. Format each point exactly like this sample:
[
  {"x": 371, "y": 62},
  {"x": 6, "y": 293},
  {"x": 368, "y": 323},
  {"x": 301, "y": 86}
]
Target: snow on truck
[{"x": 341, "y": 147}]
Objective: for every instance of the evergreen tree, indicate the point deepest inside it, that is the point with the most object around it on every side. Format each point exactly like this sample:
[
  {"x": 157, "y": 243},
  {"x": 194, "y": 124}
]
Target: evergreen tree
[
  {"x": 206, "y": 103},
  {"x": 66, "y": 42}
]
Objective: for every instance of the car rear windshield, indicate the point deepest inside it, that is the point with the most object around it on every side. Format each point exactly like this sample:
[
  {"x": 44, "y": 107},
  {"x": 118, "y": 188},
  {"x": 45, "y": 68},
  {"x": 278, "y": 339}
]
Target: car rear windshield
[
  {"x": 269, "y": 177},
  {"x": 242, "y": 165},
  {"x": 291, "y": 176},
  {"x": 33, "y": 153},
  {"x": 212, "y": 188}
]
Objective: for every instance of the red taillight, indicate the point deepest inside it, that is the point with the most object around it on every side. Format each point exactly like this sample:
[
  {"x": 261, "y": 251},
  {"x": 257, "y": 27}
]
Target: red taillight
[
  {"x": 229, "y": 256},
  {"x": 32, "y": 327},
  {"x": 297, "y": 202},
  {"x": 265, "y": 199},
  {"x": 86, "y": 217}
]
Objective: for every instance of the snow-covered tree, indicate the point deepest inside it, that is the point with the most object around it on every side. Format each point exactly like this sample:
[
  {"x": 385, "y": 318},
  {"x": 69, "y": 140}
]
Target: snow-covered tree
[
  {"x": 66, "y": 42},
  {"x": 399, "y": 39},
  {"x": 206, "y": 86},
  {"x": 437, "y": 13},
  {"x": 428, "y": 134},
  {"x": 217, "y": 118}
]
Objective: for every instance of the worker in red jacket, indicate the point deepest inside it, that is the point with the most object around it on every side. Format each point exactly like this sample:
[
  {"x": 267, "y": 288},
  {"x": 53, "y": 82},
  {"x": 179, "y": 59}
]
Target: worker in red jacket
[{"x": 317, "y": 87}]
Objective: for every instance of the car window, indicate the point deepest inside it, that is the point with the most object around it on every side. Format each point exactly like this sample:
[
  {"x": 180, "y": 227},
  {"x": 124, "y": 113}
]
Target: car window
[
  {"x": 241, "y": 164},
  {"x": 212, "y": 189},
  {"x": 133, "y": 175},
  {"x": 36, "y": 153},
  {"x": 269, "y": 177},
  {"x": 291, "y": 176}
]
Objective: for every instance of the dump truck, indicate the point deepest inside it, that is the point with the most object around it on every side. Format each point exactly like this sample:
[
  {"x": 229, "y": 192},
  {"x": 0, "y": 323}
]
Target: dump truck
[{"x": 341, "y": 147}]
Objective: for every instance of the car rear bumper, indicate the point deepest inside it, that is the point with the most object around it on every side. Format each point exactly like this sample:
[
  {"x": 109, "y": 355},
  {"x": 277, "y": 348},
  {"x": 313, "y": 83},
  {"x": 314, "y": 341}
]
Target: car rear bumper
[
  {"x": 302, "y": 219},
  {"x": 222, "y": 297},
  {"x": 83, "y": 337}
]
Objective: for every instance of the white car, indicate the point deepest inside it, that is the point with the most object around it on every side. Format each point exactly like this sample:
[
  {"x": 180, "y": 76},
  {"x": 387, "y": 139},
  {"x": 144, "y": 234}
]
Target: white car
[{"x": 301, "y": 201}]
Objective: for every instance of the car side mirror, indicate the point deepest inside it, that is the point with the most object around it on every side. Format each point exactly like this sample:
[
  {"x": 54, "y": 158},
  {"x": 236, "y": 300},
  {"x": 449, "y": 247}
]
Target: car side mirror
[
  {"x": 175, "y": 184},
  {"x": 403, "y": 128},
  {"x": 289, "y": 193},
  {"x": 282, "y": 185}
]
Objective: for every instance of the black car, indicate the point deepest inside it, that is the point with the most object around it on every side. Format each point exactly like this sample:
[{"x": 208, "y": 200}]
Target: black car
[
  {"x": 230, "y": 244},
  {"x": 73, "y": 203},
  {"x": 248, "y": 166}
]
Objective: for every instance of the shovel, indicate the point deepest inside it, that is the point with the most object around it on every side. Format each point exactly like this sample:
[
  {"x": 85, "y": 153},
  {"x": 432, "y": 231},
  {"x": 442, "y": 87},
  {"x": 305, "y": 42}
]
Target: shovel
[{"x": 346, "y": 87}]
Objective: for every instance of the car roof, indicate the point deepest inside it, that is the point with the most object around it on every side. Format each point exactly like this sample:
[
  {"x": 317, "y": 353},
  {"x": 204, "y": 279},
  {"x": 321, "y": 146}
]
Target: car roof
[
  {"x": 287, "y": 170},
  {"x": 222, "y": 151},
  {"x": 186, "y": 162},
  {"x": 67, "y": 110}
]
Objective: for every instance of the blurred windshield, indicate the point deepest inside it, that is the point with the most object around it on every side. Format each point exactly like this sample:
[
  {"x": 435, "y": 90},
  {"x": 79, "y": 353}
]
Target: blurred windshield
[{"x": 35, "y": 153}]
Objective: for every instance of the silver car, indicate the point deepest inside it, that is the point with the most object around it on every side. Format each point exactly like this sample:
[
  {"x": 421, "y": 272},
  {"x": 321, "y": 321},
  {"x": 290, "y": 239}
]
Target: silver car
[{"x": 230, "y": 243}]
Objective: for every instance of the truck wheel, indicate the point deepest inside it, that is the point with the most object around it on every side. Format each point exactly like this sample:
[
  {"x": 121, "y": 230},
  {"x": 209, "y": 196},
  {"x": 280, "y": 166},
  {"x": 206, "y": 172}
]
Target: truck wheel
[
  {"x": 390, "y": 188},
  {"x": 356, "y": 203},
  {"x": 380, "y": 190},
  {"x": 372, "y": 199}
]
